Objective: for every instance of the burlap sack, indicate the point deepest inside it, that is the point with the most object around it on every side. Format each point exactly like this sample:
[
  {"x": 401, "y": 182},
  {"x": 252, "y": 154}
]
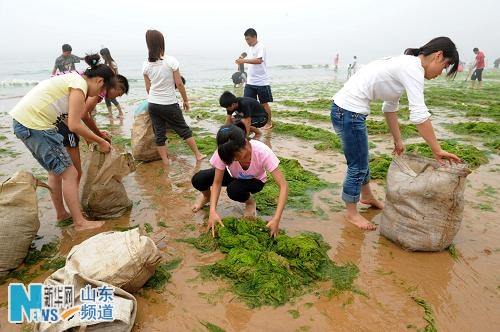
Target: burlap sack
[
  {"x": 142, "y": 136},
  {"x": 124, "y": 306},
  {"x": 103, "y": 194},
  {"x": 424, "y": 203},
  {"x": 18, "y": 219},
  {"x": 122, "y": 259}
]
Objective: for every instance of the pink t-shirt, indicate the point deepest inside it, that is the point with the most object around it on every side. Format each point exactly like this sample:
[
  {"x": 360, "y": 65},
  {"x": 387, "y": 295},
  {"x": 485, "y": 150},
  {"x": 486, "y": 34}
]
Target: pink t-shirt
[{"x": 263, "y": 159}]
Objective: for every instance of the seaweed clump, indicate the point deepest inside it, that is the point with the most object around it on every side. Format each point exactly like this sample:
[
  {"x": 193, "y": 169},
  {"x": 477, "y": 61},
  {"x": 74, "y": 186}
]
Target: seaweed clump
[
  {"x": 327, "y": 139},
  {"x": 300, "y": 185},
  {"x": 468, "y": 153},
  {"x": 271, "y": 271},
  {"x": 482, "y": 129},
  {"x": 162, "y": 275},
  {"x": 379, "y": 164}
]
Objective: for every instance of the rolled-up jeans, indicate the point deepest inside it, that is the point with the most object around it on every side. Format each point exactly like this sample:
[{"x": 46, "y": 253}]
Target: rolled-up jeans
[{"x": 351, "y": 128}]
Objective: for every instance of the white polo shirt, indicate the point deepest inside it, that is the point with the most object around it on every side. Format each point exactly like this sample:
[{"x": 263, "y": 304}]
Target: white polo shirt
[
  {"x": 257, "y": 74},
  {"x": 385, "y": 80},
  {"x": 161, "y": 75}
]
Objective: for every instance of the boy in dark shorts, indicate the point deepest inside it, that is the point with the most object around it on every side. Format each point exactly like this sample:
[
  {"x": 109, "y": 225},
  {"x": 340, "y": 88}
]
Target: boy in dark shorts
[{"x": 245, "y": 110}]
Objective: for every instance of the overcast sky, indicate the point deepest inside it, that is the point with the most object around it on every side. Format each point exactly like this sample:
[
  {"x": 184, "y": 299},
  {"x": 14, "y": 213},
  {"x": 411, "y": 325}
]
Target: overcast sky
[{"x": 295, "y": 32}]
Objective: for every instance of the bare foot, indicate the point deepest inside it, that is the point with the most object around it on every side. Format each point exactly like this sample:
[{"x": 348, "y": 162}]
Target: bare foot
[
  {"x": 268, "y": 125},
  {"x": 361, "y": 222},
  {"x": 250, "y": 209},
  {"x": 200, "y": 157},
  {"x": 373, "y": 202},
  {"x": 120, "y": 116},
  {"x": 63, "y": 217},
  {"x": 200, "y": 203},
  {"x": 88, "y": 225}
]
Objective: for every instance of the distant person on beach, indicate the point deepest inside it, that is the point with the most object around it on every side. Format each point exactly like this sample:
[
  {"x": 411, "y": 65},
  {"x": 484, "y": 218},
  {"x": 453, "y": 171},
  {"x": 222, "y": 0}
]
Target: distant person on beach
[
  {"x": 478, "y": 68},
  {"x": 66, "y": 61},
  {"x": 387, "y": 79},
  {"x": 246, "y": 110},
  {"x": 162, "y": 76},
  {"x": 354, "y": 65},
  {"x": 336, "y": 62},
  {"x": 496, "y": 63},
  {"x": 240, "y": 77},
  {"x": 35, "y": 119},
  {"x": 108, "y": 60},
  {"x": 349, "y": 71},
  {"x": 257, "y": 86},
  {"x": 241, "y": 166}
]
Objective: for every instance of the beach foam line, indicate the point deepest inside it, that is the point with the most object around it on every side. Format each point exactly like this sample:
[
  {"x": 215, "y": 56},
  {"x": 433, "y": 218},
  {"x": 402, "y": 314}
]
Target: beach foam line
[{"x": 15, "y": 82}]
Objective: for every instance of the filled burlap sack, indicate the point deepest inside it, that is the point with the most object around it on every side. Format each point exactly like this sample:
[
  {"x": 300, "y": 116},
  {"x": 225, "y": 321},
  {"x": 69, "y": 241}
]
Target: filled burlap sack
[
  {"x": 424, "y": 203},
  {"x": 18, "y": 219},
  {"x": 124, "y": 306},
  {"x": 142, "y": 135},
  {"x": 103, "y": 194},
  {"x": 122, "y": 259}
]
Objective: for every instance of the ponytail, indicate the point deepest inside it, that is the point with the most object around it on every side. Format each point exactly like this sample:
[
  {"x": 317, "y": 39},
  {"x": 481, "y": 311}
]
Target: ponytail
[
  {"x": 97, "y": 69},
  {"x": 230, "y": 139},
  {"x": 443, "y": 44}
]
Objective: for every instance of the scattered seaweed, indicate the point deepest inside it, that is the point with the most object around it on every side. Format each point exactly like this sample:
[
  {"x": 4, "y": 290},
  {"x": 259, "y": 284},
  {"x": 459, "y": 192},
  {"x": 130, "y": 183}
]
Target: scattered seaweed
[
  {"x": 271, "y": 271},
  {"x": 204, "y": 243},
  {"x": 122, "y": 141},
  {"x": 64, "y": 223},
  {"x": 300, "y": 185},
  {"x": 452, "y": 250},
  {"x": 493, "y": 145},
  {"x": 376, "y": 127},
  {"x": 312, "y": 104},
  {"x": 212, "y": 327},
  {"x": 482, "y": 129},
  {"x": 8, "y": 152},
  {"x": 379, "y": 164},
  {"x": 328, "y": 140},
  {"x": 294, "y": 313},
  {"x": 206, "y": 144},
  {"x": 148, "y": 228},
  {"x": 35, "y": 256},
  {"x": 162, "y": 275},
  {"x": 468, "y": 153},
  {"x": 428, "y": 315}
]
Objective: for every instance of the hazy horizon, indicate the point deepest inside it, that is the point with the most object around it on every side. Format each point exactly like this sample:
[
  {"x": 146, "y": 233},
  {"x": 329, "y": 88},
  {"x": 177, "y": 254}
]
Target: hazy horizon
[{"x": 292, "y": 32}]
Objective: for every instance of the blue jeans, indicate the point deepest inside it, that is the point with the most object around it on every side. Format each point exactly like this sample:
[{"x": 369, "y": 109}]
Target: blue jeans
[
  {"x": 351, "y": 128},
  {"x": 46, "y": 146}
]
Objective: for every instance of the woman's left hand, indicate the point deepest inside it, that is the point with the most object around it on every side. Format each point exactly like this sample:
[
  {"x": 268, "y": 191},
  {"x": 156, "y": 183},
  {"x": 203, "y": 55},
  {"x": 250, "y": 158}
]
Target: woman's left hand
[
  {"x": 185, "y": 105},
  {"x": 274, "y": 226},
  {"x": 399, "y": 147}
]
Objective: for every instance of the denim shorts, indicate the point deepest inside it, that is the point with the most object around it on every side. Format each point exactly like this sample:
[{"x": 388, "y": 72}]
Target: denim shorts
[
  {"x": 351, "y": 127},
  {"x": 263, "y": 92},
  {"x": 46, "y": 146}
]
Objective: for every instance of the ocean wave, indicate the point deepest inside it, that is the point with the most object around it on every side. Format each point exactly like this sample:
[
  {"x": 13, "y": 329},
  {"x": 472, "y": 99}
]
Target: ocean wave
[
  {"x": 306, "y": 66},
  {"x": 15, "y": 82}
]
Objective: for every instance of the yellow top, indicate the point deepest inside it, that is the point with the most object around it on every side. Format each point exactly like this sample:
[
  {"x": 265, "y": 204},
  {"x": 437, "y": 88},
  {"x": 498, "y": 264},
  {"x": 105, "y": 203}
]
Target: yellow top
[{"x": 48, "y": 102}]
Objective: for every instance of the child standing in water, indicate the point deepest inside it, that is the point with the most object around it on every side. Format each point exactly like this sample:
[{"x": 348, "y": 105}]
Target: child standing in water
[
  {"x": 108, "y": 60},
  {"x": 241, "y": 166},
  {"x": 386, "y": 80},
  {"x": 35, "y": 118},
  {"x": 162, "y": 76}
]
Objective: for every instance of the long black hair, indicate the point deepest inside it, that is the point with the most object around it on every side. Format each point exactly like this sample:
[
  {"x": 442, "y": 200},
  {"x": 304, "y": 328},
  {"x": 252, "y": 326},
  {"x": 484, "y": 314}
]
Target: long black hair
[
  {"x": 230, "y": 139},
  {"x": 97, "y": 69},
  {"x": 443, "y": 44}
]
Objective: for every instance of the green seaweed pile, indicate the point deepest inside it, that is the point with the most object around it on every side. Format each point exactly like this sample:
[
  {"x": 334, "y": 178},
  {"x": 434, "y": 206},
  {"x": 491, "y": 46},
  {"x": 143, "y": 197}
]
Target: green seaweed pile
[
  {"x": 206, "y": 144},
  {"x": 162, "y": 275},
  {"x": 468, "y": 153},
  {"x": 376, "y": 127},
  {"x": 379, "y": 164},
  {"x": 314, "y": 104},
  {"x": 300, "y": 185},
  {"x": 327, "y": 139},
  {"x": 482, "y": 129},
  {"x": 271, "y": 271}
]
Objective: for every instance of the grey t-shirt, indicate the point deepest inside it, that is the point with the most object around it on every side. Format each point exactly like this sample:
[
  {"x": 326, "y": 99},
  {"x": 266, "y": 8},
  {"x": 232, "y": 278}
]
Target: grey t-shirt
[{"x": 66, "y": 63}]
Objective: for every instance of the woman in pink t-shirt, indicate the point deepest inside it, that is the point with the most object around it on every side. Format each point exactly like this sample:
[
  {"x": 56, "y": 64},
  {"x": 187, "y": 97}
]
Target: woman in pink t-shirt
[{"x": 241, "y": 166}]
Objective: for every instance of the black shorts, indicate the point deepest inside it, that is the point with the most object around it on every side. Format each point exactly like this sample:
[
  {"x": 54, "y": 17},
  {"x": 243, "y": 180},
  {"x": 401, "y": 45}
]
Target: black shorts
[
  {"x": 109, "y": 101},
  {"x": 70, "y": 139},
  {"x": 477, "y": 75},
  {"x": 259, "y": 121},
  {"x": 263, "y": 93},
  {"x": 166, "y": 117}
]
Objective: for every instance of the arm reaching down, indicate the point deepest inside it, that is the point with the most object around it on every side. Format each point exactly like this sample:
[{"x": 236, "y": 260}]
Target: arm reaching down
[
  {"x": 214, "y": 198},
  {"x": 274, "y": 223}
]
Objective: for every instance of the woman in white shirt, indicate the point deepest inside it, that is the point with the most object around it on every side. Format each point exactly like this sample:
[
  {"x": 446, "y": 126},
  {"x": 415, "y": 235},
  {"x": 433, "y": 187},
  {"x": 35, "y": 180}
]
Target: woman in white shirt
[
  {"x": 162, "y": 77},
  {"x": 386, "y": 80}
]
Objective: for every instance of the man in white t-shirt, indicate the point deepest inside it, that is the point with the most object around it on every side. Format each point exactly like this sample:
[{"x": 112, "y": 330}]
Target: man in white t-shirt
[{"x": 257, "y": 86}]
